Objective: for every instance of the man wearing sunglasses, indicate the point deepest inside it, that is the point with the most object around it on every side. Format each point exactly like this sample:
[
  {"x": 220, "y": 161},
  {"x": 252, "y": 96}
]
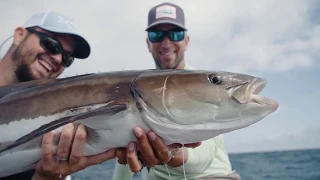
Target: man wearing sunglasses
[
  {"x": 41, "y": 49},
  {"x": 167, "y": 42}
]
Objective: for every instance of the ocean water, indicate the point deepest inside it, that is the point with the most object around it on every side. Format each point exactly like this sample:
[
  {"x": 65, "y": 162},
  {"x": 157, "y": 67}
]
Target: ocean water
[{"x": 279, "y": 165}]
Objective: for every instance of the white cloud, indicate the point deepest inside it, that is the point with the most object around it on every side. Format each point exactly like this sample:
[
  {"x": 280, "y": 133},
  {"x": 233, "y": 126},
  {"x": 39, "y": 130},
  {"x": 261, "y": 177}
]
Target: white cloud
[{"x": 260, "y": 36}]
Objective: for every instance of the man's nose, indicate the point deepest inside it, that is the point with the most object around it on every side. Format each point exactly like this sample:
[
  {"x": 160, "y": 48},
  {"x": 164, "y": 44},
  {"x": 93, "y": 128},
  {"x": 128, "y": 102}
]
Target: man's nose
[
  {"x": 166, "y": 43},
  {"x": 57, "y": 58}
]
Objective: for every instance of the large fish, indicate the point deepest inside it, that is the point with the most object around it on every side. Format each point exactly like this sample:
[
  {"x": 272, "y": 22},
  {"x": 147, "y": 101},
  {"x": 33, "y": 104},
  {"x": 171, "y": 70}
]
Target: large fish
[{"x": 181, "y": 106}]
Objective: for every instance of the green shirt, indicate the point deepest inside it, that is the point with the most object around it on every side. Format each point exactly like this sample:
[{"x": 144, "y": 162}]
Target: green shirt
[{"x": 208, "y": 159}]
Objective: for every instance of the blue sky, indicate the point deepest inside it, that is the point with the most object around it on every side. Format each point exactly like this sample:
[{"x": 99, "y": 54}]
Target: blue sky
[
  {"x": 294, "y": 125},
  {"x": 276, "y": 40}
]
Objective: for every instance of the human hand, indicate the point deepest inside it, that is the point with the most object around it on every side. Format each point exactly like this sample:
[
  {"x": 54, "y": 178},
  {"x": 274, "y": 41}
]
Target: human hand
[
  {"x": 69, "y": 152},
  {"x": 152, "y": 151}
]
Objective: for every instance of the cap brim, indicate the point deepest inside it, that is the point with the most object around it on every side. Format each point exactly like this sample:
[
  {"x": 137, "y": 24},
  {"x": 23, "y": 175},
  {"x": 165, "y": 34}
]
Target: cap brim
[
  {"x": 166, "y": 22},
  {"x": 82, "y": 49}
]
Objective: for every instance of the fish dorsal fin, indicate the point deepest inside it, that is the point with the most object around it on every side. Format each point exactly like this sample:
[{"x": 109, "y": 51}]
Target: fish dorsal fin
[
  {"x": 5, "y": 90},
  {"x": 109, "y": 109}
]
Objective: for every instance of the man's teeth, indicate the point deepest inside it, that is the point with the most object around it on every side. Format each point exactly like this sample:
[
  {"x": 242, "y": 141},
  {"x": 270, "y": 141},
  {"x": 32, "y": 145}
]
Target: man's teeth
[
  {"x": 167, "y": 53},
  {"x": 45, "y": 65}
]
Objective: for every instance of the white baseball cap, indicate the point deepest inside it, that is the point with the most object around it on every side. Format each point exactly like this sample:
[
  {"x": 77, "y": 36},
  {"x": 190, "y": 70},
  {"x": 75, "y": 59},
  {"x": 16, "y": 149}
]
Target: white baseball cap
[{"x": 58, "y": 23}]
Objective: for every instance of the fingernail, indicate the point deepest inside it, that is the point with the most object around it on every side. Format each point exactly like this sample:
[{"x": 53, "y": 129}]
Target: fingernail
[
  {"x": 141, "y": 167},
  {"x": 152, "y": 136},
  {"x": 82, "y": 127},
  {"x": 69, "y": 126},
  {"x": 137, "y": 131},
  {"x": 131, "y": 146}
]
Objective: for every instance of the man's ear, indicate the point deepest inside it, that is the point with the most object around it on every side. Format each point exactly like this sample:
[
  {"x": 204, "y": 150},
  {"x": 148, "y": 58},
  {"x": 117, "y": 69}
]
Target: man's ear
[
  {"x": 186, "y": 41},
  {"x": 148, "y": 44},
  {"x": 20, "y": 34}
]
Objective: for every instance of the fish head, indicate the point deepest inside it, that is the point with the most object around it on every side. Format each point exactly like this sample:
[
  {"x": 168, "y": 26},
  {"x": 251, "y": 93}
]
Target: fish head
[{"x": 215, "y": 100}]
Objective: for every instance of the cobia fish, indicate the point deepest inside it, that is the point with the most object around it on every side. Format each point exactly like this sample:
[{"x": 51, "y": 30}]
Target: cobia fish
[{"x": 181, "y": 106}]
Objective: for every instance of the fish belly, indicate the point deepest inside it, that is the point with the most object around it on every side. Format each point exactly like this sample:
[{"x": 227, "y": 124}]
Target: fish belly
[{"x": 19, "y": 161}]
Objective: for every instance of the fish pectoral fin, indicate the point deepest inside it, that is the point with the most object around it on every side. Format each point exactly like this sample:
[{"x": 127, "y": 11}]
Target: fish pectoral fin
[{"x": 109, "y": 109}]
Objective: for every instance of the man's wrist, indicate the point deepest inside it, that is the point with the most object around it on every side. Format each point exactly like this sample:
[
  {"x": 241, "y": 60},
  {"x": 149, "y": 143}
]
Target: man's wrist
[{"x": 179, "y": 157}]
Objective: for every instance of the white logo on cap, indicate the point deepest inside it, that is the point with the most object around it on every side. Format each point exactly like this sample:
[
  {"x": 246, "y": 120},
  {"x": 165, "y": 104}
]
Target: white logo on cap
[
  {"x": 166, "y": 11},
  {"x": 67, "y": 22}
]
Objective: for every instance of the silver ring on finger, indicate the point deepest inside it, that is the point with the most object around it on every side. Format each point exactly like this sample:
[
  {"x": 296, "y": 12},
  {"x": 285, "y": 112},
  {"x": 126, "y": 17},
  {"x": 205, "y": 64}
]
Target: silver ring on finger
[{"x": 60, "y": 160}]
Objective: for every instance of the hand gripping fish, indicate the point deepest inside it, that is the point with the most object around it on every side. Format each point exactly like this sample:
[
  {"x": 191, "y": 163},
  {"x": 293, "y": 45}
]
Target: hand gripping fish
[{"x": 181, "y": 106}]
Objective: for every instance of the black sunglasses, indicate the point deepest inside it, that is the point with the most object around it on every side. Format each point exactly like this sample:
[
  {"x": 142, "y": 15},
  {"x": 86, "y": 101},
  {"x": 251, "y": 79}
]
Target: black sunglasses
[
  {"x": 53, "y": 46},
  {"x": 173, "y": 35}
]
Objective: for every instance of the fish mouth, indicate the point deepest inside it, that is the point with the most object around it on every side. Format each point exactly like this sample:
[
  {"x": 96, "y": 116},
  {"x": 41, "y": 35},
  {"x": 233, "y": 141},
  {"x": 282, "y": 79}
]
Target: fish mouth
[{"x": 249, "y": 93}]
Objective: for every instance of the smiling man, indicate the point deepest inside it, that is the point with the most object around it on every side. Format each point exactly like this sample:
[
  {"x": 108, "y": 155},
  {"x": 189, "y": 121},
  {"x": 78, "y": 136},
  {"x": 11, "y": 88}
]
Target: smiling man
[
  {"x": 167, "y": 41},
  {"x": 42, "y": 49}
]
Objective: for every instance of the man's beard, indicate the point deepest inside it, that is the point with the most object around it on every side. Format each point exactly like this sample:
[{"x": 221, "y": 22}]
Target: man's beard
[
  {"x": 163, "y": 66},
  {"x": 23, "y": 72}
]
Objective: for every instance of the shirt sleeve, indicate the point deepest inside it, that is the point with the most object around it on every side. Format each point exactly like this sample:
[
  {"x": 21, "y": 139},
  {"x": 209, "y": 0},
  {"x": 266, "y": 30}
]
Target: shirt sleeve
[
  {"x": 122, "y": 172},
  {"x": 199, "y": 158}
]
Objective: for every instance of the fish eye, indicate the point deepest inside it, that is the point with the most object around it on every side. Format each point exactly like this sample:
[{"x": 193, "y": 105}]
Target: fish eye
[{"x": 216, "y": 79}]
